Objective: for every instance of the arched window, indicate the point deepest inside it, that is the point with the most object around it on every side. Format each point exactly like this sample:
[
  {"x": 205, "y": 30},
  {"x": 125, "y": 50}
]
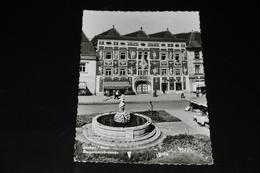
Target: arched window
[
  {"x": 163, "y": 55},
  {"x": 140, "y": 54},
  {"x": 145, "y": 55}
]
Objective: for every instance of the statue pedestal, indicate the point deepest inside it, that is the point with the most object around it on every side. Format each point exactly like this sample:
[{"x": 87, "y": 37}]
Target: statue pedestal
[{"x": 122, "y": 117}]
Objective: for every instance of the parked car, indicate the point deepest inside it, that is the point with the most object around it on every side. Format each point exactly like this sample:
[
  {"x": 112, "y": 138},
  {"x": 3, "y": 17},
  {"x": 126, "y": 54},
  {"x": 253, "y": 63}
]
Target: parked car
[{"x": 201, "y": 119}]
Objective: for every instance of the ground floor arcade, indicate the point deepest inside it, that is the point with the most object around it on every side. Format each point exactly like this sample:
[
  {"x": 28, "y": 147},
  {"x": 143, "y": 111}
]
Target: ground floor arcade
[{"x": 143, "y": 84}]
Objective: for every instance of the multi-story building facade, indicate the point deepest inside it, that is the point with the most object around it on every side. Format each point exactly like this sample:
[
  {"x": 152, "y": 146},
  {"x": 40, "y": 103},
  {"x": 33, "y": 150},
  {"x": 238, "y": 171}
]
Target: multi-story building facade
[
  {"x": 140, "y": 63},
  {"x": 87, "y": 67},
  {"x": 194, "y": 59}
]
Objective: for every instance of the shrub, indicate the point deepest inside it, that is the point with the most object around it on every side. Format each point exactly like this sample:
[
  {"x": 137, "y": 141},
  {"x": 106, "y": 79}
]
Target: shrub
[
  {"x": 78, "y": 153},
  {"x": 201, "y": 144},
  {"x": 141, "y": 156}
]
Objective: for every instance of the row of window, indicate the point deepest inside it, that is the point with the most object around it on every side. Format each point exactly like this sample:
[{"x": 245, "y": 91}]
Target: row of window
[
  {"x": 123, "y": 72},
  {"x": 83, "y": 67},
  {"x": 141, "y": 44},
  {"x": 197, "y": 69},
  {"x": 141, "y": 72},
  {"x": 196, "y": 54},
  {"x": 123, "y": 55}
]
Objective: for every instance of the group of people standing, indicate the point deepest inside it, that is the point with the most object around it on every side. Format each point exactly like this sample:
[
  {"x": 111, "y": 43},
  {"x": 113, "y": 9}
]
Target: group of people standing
[{"x": 115, "y": 95}]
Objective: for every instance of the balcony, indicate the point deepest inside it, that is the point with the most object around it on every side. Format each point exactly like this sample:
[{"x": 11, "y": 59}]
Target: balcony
[
  {"x": 197, "y": 61},
  {"x": 196, "y": 75},
  {"x": 199, "y": 74}
]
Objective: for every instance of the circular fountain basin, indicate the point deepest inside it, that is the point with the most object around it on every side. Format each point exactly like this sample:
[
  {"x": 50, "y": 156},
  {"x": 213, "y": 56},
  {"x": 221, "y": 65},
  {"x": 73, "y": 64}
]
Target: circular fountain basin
[
  {"x": 108, "y": 120},
  {"x": 138, "y": 126},
  {"x": 138, "y": 133}
]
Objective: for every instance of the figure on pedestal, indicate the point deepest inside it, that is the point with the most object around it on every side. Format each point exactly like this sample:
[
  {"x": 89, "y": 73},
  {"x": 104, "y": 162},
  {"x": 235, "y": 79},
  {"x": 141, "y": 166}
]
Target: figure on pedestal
[
  {"x": 122, "y": 116},
  {"x": 154, "y": 54},
  {"x": 132, "y": 53},
  {"x": 100, "y": 69},
  {"x": 116, "y": 54},
  {"x": 101, "y": 54},
  {"x": 121, "y": 106},
  {"x": 170, "y": 55}
]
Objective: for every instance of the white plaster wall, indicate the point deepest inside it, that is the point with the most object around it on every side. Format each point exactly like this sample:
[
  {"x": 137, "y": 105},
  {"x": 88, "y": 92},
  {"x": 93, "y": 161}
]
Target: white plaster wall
[
  {"x": 97, "y": 84},
  {"x": 190, "y": 57},
  {"x": 187, "y": 81},
  {"x": 89, "y": 76}
]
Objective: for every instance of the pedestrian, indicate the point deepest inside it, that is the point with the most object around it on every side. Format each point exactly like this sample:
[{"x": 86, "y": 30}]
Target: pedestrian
[
  {"x": 117, "y": 94},
  {"x": 105, "y": 97},
  {"x": 197, "y": 93},
  {"x": 114, "y": 94},
  {"x": 182, "y": 95},
  {"x": 155, "y": 93}
]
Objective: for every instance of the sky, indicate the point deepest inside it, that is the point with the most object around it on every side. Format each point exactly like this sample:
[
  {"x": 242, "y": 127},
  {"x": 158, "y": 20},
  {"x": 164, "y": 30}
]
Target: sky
[{"x": 96, "y": 22}]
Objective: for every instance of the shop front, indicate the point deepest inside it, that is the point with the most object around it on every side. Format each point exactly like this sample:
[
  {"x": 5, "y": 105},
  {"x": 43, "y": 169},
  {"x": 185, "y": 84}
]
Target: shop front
[
  {"x": 123, "y": 87},
  {"x": 82, "y": 88}
]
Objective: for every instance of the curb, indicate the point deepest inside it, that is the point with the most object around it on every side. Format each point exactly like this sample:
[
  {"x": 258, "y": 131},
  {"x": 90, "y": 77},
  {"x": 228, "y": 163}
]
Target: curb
[{"x": 128, "y": 102}]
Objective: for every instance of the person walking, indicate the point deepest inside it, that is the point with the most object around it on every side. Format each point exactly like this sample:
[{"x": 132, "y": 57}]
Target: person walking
[
  {"x": 182, "y": 95},
  {"x": 107, "y": 93},
  {"x": 114, "y": 94},
  {"x": 197, "y": 93},
  {"x": 117, "y": 94},
  {"x": 155, "y": 93}
]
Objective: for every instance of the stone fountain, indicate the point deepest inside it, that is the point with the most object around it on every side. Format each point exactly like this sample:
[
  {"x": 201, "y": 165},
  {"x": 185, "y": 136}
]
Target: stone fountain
[
  {"x": 122, "y": 116},
  {"x": 122, "y": 130}
]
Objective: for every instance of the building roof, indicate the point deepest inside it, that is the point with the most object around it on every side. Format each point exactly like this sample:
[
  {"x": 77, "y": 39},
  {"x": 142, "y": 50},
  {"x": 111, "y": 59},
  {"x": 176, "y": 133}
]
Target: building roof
[
  {"x": 86, "y": 46},
  {"x": 107, "y": 34},
  {"x": 183, "y": 36},
  {"x": 137, "y": 34},
  {"x": 163, "y": 34},
  {"x": 111, "y": 32},
  {"x": 193, "y": 39},
  {"x": 138, "y": 39}
]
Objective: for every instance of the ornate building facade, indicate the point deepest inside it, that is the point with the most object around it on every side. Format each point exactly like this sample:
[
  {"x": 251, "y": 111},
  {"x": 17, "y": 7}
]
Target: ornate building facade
[
  {"x": 138, "y": 63},
  {"x": 194, "y": 60}
]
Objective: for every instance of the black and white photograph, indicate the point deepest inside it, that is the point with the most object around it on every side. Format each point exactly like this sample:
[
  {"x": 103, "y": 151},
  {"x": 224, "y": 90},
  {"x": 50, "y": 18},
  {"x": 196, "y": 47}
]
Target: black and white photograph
[
  {"x": 142, "y": 89},
  {"x": 129, "y": 86}
]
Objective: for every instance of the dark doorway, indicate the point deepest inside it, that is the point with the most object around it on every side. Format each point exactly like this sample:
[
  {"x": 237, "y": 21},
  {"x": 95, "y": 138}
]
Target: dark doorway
[
  {"x": 178, "y": 86},
  {"x": 164, "y": 87}
]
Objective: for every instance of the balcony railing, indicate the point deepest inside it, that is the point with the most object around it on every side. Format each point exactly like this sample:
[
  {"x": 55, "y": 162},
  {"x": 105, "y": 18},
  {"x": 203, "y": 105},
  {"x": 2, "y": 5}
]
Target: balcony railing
[{"x": 197, "y": 74}]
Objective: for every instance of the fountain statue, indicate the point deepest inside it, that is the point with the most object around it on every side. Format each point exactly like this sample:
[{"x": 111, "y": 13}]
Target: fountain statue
[
  {"x": 122, "y": 116},
  {"x": 122, "y": 130}
]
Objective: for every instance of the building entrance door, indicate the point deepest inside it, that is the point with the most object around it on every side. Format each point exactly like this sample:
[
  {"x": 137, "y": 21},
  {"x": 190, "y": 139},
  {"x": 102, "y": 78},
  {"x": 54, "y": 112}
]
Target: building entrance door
[
  {"x": 142, "y": 88},
  {"x": 178, "y": 86},
  {"x": 164, "y": 87}
]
